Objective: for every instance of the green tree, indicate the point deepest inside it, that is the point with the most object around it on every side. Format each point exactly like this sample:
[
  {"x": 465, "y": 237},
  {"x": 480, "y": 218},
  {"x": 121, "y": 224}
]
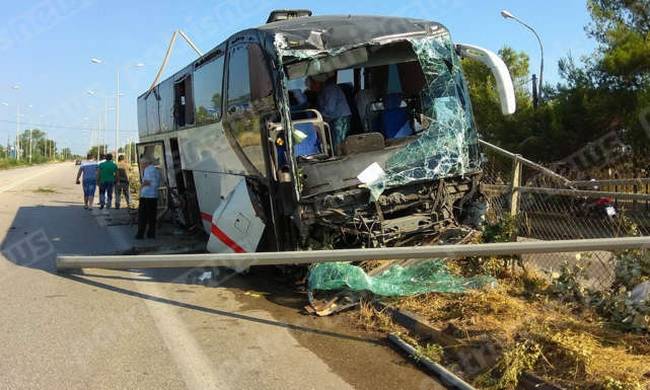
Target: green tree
[
  {"x": 607, "y": 91},
  {"x": 66, "y": 153},
  {"x": 622, "y": 63},
  {"x": 97, "y": 150},
  {"x": 622, "y": 29}
]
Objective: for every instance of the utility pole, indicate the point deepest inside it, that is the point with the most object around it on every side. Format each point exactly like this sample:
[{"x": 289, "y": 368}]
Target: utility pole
[
  {"x": 508, "y": 15},
  {"x": 535, "y": 92},
  {"x": 117, "y": 116},
  {"x": 30, "y": 145},
  {"x": 17, "y": 147}
]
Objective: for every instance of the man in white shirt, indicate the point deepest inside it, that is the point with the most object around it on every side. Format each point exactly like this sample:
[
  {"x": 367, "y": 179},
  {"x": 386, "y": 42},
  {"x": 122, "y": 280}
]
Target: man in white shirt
[{"x": 148, "y": 208}]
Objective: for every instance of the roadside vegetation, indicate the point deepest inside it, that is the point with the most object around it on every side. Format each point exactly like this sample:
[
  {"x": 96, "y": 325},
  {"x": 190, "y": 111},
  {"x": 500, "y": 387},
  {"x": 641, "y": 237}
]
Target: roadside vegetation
[
  {"x": 542, "y": 324},
  {"x": 13, "y": 163},
  {"x": 45, "y": 190},
  {"x": 606, "y": 91},
  {"x": 43, "y": 150}
]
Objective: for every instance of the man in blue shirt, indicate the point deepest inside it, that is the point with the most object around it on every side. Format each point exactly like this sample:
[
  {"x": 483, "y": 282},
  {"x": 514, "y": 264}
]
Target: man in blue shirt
[
  {"x": 333, "y": 105},
  {"x": 148, "y": 208},
  {"x": 89, "y": 171}
]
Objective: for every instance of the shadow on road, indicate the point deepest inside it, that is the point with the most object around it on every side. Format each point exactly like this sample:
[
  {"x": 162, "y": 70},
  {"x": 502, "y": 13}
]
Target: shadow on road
[
  {"x": 222, "y": 313},
  {"x": 38, "y": 234}
]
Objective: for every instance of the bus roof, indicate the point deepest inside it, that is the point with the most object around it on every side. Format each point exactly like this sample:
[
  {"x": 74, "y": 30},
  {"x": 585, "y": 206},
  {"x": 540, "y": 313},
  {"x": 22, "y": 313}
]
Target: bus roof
[{"x": 337, "y": 31}]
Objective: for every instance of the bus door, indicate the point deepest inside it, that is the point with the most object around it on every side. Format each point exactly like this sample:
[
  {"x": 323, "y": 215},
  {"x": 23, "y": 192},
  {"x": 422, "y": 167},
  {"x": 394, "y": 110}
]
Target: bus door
[
  {"x": 249, "y": 105},
  {"x": 155, "y": 151}
]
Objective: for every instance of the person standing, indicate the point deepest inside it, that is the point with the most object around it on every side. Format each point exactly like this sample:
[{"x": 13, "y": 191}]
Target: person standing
[
  {"x": 88, "y": 170},
  {"x": 148, "y": 208},
  {"x": 106, "y": 178},
  {"x": 122, "y": 182}
]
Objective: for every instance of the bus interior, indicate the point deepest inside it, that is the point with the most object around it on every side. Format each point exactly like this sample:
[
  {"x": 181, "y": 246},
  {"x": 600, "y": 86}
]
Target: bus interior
[{"x": 411, "y": 128}]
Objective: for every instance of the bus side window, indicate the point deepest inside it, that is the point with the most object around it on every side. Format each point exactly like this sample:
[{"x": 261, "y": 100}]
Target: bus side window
[
  {"x": 208, "y": 80},
  {"x": 183, "y": 105},
  {"x": 261, "y": 83},
  {"x": 250, "y": 95}
]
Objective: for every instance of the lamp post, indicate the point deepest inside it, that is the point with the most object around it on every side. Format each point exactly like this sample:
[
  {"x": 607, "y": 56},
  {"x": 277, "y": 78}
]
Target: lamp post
[
  {"x": 508, "y": 15},
  {"x": 5, "y": 104},
  {"x": 17, "y": 145},
  {"x": 98, "y": 61},
  {"x": 30, "y": 139}
]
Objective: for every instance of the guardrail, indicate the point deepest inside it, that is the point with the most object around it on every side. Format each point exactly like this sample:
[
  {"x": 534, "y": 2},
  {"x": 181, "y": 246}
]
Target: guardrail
[
  {"x": 324, "y": 256},
  {"x": 562, "y": 191}
]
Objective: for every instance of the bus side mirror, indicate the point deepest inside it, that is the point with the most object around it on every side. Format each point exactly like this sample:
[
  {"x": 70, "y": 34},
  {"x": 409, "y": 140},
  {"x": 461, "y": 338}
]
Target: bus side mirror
[{"x": 500, "y": 71}]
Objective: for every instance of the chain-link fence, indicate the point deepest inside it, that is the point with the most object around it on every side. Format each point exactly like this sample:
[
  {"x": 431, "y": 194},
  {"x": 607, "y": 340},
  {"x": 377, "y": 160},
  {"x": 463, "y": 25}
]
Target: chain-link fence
[{"x": 546, "y": 206}]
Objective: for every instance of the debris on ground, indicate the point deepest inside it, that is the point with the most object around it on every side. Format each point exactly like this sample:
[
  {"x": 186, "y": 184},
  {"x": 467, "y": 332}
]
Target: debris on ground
[
  {"x": 345, "y": 284},
  {"x": 422, "y": 277},
  {"x": 532, "y": 325},
  {"x": 536, "y": 335},
  {"x": 204, "y": 277}
]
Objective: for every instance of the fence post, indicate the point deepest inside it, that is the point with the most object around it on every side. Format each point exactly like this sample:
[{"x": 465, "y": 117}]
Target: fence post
[{"x": 516, "y": 183}]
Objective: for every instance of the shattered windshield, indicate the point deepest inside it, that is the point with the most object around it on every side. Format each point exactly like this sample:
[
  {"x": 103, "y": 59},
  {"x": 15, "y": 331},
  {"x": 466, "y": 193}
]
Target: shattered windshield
[
  {"x": 410, "y": 95},
  {"x": 449, "y": 145}
]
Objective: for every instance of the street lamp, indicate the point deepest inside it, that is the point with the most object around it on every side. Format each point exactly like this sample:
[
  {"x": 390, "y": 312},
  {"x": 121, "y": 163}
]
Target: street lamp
[
  {"x": 508, "y": 15},
  {"x": 5, "y": 104},
  {"x": 99, "y": 61},
  {"x": 30, "y": 138},
  {"x": 103, "y": 120},
  {"x": 17, "y": 147}
]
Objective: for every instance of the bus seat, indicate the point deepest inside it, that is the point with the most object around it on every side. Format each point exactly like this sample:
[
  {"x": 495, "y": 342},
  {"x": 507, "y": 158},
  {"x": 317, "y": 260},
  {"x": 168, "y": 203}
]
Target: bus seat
[
  {"x": 394, "y": 116},
  {"x": 311, "y": 145},
  {"x": 348, "y": 91}
]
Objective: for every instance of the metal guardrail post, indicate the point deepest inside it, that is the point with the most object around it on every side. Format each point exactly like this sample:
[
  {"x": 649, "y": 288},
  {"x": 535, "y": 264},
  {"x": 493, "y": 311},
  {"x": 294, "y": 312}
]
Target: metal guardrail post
[
  {"x": 543, "y": 170},
  {"x": 324, "y": 256},
  {"x": 516, "y": 184}
]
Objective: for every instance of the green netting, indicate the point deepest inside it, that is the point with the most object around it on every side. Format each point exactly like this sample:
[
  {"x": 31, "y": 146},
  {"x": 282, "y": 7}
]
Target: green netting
[{"x": 422, "y": 277}]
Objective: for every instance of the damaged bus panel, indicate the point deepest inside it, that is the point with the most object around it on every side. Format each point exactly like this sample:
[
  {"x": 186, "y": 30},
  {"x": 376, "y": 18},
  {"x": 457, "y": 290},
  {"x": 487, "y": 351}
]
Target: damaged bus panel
[{"x": 315, "y": 131}]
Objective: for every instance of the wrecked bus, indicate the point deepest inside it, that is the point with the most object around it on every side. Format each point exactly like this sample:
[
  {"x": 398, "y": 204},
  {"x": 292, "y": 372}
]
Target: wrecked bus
[{"x": 247, "y": 152}]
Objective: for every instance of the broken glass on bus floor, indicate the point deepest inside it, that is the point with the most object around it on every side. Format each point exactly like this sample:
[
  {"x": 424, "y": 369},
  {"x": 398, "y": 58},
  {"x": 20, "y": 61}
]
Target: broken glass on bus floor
[{"x": 422, "y": 277}]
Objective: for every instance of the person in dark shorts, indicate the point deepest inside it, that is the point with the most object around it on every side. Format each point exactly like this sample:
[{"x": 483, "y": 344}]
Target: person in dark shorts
[
  {"x": 148, "y": 209},
  {"x": 106, "y": 178},
  {"x": 122, "y": 182},
  {"x": 88, "y": 170}
]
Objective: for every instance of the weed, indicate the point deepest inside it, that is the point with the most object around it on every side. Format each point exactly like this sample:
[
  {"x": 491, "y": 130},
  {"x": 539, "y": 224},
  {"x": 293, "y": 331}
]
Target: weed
[
  {"x": 567, "y": 284},
  {"x": 433, "y": 352},
  {"x": 376, "y": 320},
  {"x": 45, "y": 190},
  {"x": 506, "y": 373}
]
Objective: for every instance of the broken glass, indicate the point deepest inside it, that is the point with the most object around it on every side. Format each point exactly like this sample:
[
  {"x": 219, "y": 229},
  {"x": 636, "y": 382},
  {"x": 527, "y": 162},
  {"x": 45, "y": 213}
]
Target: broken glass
[
  {"x": 423, "y": 277},
  {"x": 448, "y": 146},
  {"x": 447, "y": 142}
]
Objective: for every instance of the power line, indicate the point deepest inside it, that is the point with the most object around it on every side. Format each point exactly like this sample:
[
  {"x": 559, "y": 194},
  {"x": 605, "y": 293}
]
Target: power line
[{"x": 58, "y": 126}]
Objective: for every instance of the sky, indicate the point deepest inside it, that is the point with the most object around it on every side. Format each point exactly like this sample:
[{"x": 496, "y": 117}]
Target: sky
[{"x": 46, "y": 47}]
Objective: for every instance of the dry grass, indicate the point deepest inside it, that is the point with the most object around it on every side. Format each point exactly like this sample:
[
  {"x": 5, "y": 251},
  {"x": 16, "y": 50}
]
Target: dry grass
[
  {"x": 575, "y": 350},
  {"x": 45, "y": 190},
  {"x": 371, "y": 319}
]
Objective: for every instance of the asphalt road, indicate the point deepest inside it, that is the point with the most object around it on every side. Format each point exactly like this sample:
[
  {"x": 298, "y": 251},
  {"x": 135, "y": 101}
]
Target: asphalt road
[{"x": 121, "y": 329}]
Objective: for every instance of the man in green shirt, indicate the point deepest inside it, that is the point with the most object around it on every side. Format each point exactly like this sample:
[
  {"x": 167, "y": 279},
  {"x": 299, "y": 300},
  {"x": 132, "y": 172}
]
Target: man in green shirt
[{"x": 106, "y": 179}]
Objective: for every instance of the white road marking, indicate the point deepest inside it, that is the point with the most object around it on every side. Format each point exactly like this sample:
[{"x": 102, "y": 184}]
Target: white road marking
[
  {"x": 194, "y": 365},
  {"x": 25, "y": 179}
]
